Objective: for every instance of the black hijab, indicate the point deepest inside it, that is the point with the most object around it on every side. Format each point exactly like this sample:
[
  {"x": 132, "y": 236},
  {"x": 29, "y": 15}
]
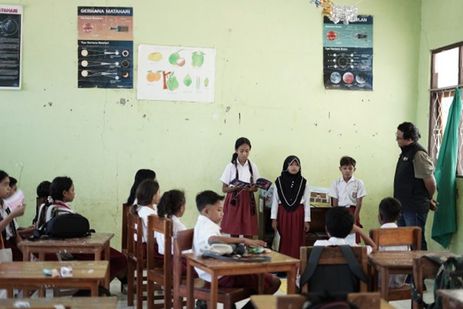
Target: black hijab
[{"x": 290, "y": 186}]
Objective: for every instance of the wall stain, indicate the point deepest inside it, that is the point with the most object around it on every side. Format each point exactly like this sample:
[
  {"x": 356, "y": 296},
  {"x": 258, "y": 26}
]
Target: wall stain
[
  {"x": 123, "y": 101},
  {"x": 227, "y": 109},
  {"x": 50, "y": 103},
  {"x": 144, "y": 116},
  {"x": 315, "y": 124},
  {"x": 239, "y": 118},
  {"x": 186, "y": 119}
]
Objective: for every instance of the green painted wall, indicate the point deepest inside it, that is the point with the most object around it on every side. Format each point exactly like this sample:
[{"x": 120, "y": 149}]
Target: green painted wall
[
  {"x": 439, "y": 23},
  {"x": 269, "y": 88}
]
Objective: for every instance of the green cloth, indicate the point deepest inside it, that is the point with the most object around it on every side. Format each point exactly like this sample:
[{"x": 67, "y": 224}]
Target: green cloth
[{"x": 445, "y": 218}]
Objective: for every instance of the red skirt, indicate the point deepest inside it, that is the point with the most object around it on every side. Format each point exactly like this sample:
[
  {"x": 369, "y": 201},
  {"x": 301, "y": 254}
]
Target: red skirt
[
  {"x": 239, "y": 214},
  {"x": 291, "y": 228}
]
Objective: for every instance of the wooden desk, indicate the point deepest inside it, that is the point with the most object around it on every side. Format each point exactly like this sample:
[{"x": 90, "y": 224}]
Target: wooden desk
[
  {"x": 396, "y": 262},
  {"x": 270, "y": 302},
  {"x": 451, "y": 299},
  {"x": 74, "y": 303},
  {"x": 96, "y": 244},
  {"x": 85, "y": 275},
  {"x": 279, "y": 263}
]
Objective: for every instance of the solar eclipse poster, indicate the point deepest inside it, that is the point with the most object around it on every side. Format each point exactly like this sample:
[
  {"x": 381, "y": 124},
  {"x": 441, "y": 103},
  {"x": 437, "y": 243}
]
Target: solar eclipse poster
[
  {"x": 105, "y": 47},
  {"x": 348, "y": 54},
  {"x": 10, "y": 46}
]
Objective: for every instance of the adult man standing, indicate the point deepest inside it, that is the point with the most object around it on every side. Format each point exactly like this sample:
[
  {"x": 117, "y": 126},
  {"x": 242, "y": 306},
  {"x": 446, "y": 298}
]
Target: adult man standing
[{"x": 414, "y": 183}]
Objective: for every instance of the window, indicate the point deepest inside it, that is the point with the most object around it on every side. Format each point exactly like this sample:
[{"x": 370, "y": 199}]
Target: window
[{"x": 446, "y": 74}]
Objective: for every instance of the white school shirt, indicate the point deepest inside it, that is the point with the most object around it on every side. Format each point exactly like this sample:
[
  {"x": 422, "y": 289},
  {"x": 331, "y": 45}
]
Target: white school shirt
[
  {"x": 15, "y": 200},
  {"x": 347, "y": 193},
  {"x": 177, "y": 226},
  {"x": 144, "y": 212},
  {"x": 229, "y": 173},
  {"x": 203, "y": 230},
  {"x": 305, "y": 201},
  {"x": 335, "y": 241}
]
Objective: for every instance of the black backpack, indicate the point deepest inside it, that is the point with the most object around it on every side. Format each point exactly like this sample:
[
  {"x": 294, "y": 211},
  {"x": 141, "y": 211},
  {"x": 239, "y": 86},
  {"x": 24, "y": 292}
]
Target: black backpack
[
  {"x": 335, "y": 280},
  {"x": 65, "y": 225},
  {"x": 449, "y": 276}
]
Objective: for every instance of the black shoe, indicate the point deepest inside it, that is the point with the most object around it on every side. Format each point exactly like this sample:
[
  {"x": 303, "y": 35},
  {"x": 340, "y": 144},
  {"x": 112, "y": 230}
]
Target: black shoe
[
  {"x": 281, "y": 275},
  {"x": 201, "y": 304}
]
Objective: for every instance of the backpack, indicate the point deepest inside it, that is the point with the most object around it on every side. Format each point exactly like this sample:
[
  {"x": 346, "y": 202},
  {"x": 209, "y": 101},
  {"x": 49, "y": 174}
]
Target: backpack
[
  {"x": 449, "y": 276},
  {"x": 324, "y": 279},
  {"x": 66, "y": 225}
]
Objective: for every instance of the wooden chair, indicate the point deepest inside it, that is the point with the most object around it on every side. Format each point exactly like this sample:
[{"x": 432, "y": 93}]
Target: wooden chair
[
  {"x": 159, "y": 274},
  {"x": 125, "y": 211},
  {"x": 361, "y": 300},
  {"x": 228, "y": 296},
  {"x": 401, "y": 236},
  {"x": 332, "y": 255}
]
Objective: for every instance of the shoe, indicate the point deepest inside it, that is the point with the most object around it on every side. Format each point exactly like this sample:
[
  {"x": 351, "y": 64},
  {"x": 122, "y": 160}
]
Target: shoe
[
  {"x": 124, "y": 288},
  {"x": 201, "y": 304},
  {"x": 281, "y": 275}
]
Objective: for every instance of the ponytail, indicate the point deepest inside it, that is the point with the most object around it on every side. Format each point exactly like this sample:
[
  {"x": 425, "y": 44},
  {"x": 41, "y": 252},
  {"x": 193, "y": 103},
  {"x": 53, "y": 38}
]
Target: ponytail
[
  {"x": 170, "y": 203},
  {"x": 234, "y": 157}
]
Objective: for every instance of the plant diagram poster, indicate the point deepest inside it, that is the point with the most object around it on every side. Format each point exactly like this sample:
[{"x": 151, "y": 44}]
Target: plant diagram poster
[
  {"x": 10, "y": 46},
  {"x": 176, "y": 73},
  {"x": 348, "y": 54},
  {"x": 105, "y": 47}
]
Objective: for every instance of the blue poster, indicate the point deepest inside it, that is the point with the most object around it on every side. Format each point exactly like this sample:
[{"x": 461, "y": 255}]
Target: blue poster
[{"x": 348, "y": 54}]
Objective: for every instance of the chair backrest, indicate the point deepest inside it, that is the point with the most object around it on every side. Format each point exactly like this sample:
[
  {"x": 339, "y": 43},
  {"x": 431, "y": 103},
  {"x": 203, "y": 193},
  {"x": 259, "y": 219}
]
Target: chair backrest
[
  {"x": 162, "y": 226},
  {"x": 125, "y": 211},
  {"x": 400, "y": 236},
  {"x": 134, "y": 237},
  {"x": 333, "y": 256},
  {"x": 183, "y": 240}
]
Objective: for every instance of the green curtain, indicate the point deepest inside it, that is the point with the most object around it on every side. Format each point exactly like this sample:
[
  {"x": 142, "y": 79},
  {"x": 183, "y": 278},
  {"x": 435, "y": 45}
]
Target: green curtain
[{"x": 445, "y": 218}]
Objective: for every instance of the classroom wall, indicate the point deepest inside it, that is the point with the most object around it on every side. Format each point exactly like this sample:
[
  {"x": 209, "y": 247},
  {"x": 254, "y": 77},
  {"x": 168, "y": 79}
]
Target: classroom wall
[
  {"x": 269, "y": 88},
  {"x": 439, "y": 21}
]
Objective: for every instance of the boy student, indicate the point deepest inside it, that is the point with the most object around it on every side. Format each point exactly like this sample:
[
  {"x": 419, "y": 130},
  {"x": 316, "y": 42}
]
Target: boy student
[
  {"x": 347, "y": 191},
  {"x": 207, "y": 232},
  {"x": 339, "y": 224}
]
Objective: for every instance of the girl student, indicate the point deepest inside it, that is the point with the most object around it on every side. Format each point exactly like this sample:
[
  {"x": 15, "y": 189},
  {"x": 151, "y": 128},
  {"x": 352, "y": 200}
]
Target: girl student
[
  {"x": 61, "y": 194},
  {"x": 140, "y": 175},
  {"x": 7, "y": 216},
  {"x": 290, "y": 211},
  {"x": 148, "y": 196},
  {"x": 239, "y": 210}
]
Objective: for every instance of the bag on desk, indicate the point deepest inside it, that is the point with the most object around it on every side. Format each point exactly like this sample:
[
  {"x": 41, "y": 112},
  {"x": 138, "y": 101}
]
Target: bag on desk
[{"x": 67, "y": 225}]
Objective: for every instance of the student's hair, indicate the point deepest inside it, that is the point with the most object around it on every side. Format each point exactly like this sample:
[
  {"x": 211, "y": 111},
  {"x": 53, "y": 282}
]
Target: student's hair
[
  {"x": 240, "y": 141},
  {"x": 58, "y": 185},
  {"x": 339, "y": 222},
  {"x": 346, "y": 160},
  {"x": 3, "y": 175},
  {"x": 207, "y": 197},
  {"x": 13, "y": 181},
  {"x": 141, "y": 175},
  {"x": 410, "y": 131},
  {"x": 43, "y": 189},
  {"x": 146, "y": 191},
  {"x": 170, "y": 203},
  {"x": 389, "y": 209}
]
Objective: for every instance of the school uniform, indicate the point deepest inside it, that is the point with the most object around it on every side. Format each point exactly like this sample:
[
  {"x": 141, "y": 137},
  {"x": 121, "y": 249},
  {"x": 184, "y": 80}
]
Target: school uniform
[
  {"x": 395, "y": 281},
  {"x": 335, "y": 241},
  {"x": 144, "y": 212},
  {"x": 9, "y": 234},
  {"x": 291, "y": 209},
  {"x": 239, "y": 211},
  {"x": 347, "y": 194},
  {"x": 203, "y": 230}
]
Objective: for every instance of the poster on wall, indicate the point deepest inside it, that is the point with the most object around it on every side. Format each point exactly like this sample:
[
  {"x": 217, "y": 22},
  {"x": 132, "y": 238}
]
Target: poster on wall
[
  {"x": 176, "y": 73},
  {"x": 348, "y": 54},
  {"x": 105, "y": 47},
  {"x": 10, "y": 46}
]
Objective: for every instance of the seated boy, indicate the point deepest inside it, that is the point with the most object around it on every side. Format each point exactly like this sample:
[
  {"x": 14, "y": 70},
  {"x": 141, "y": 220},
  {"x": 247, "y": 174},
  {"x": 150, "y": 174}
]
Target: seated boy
[
  {"x": 389, "y": 211},
  {"x": 207, "y": 232},
  {"x": 339, "y": 223}
]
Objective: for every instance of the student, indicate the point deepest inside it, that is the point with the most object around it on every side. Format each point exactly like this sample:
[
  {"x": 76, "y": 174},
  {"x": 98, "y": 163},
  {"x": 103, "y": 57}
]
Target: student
[
  {"x": 339, "y": 223},
  {"x": 388, "y": 214},
  {"x": 171, "y": 205},
  {"x": 43, "y": 192},
  {"x": 347, "y": 191},
  {"x": 290, "y": 212},
  {"x": 148, "y": 195},
  {"x": 15, "y": 196},
  {"x": 7, "y": 216},
  {"x": 61, "y": 194},
  {"x": 207, "y": 232},
  {"x": 141, "y": 175},
  {"x": 239, "y": 213}
]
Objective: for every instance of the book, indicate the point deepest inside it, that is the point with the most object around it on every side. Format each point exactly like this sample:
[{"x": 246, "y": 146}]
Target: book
[{"x": 261, "y": 183}]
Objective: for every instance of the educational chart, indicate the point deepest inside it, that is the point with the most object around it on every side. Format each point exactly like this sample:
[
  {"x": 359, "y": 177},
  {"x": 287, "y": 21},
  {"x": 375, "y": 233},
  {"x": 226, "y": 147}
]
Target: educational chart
[
  {"x": 10, "y": 46},
  {"x": 348, "y": 54},
  {"x": 105, "y": 47},
  {"x": 176, "y": 73}
]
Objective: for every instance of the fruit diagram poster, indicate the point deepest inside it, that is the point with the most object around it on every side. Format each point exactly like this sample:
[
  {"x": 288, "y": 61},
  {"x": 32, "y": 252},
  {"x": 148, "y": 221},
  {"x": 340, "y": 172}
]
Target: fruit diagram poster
[
  {"x": 105, "y": 47},
  {"x": 176, "y": 73},
  {"x": 348, "y": 54},
  {"x": 10, "y": 46}
]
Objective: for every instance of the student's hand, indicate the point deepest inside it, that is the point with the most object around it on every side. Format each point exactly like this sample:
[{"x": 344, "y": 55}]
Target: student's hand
[
  {"x": 306, "y": 226},
  {"x": 433, "y": 205},
  {"x": 252, "y": 188},
  {"x": 18, "y": 211},
  {"x": 274, "y": 224},
  {"x": 255, "y": 242},
  {"x": 356, "y": 229}
]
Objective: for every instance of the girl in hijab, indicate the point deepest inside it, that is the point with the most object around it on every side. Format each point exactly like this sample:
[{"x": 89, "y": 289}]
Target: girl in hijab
[{"x": 290, "y": 212}]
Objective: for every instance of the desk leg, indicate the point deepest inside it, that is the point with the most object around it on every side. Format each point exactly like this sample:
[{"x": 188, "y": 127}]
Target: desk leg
[
  {"x": 291, "y": 282},
  {"x": 189, "y": 286},
  {"x": 94, "y": 290},
  {"x": 26, "y": 255},
  {"x": 260, "y": 287},
  {"x": 384, "y": 273},
  {"x": 214, "y": 291}
]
